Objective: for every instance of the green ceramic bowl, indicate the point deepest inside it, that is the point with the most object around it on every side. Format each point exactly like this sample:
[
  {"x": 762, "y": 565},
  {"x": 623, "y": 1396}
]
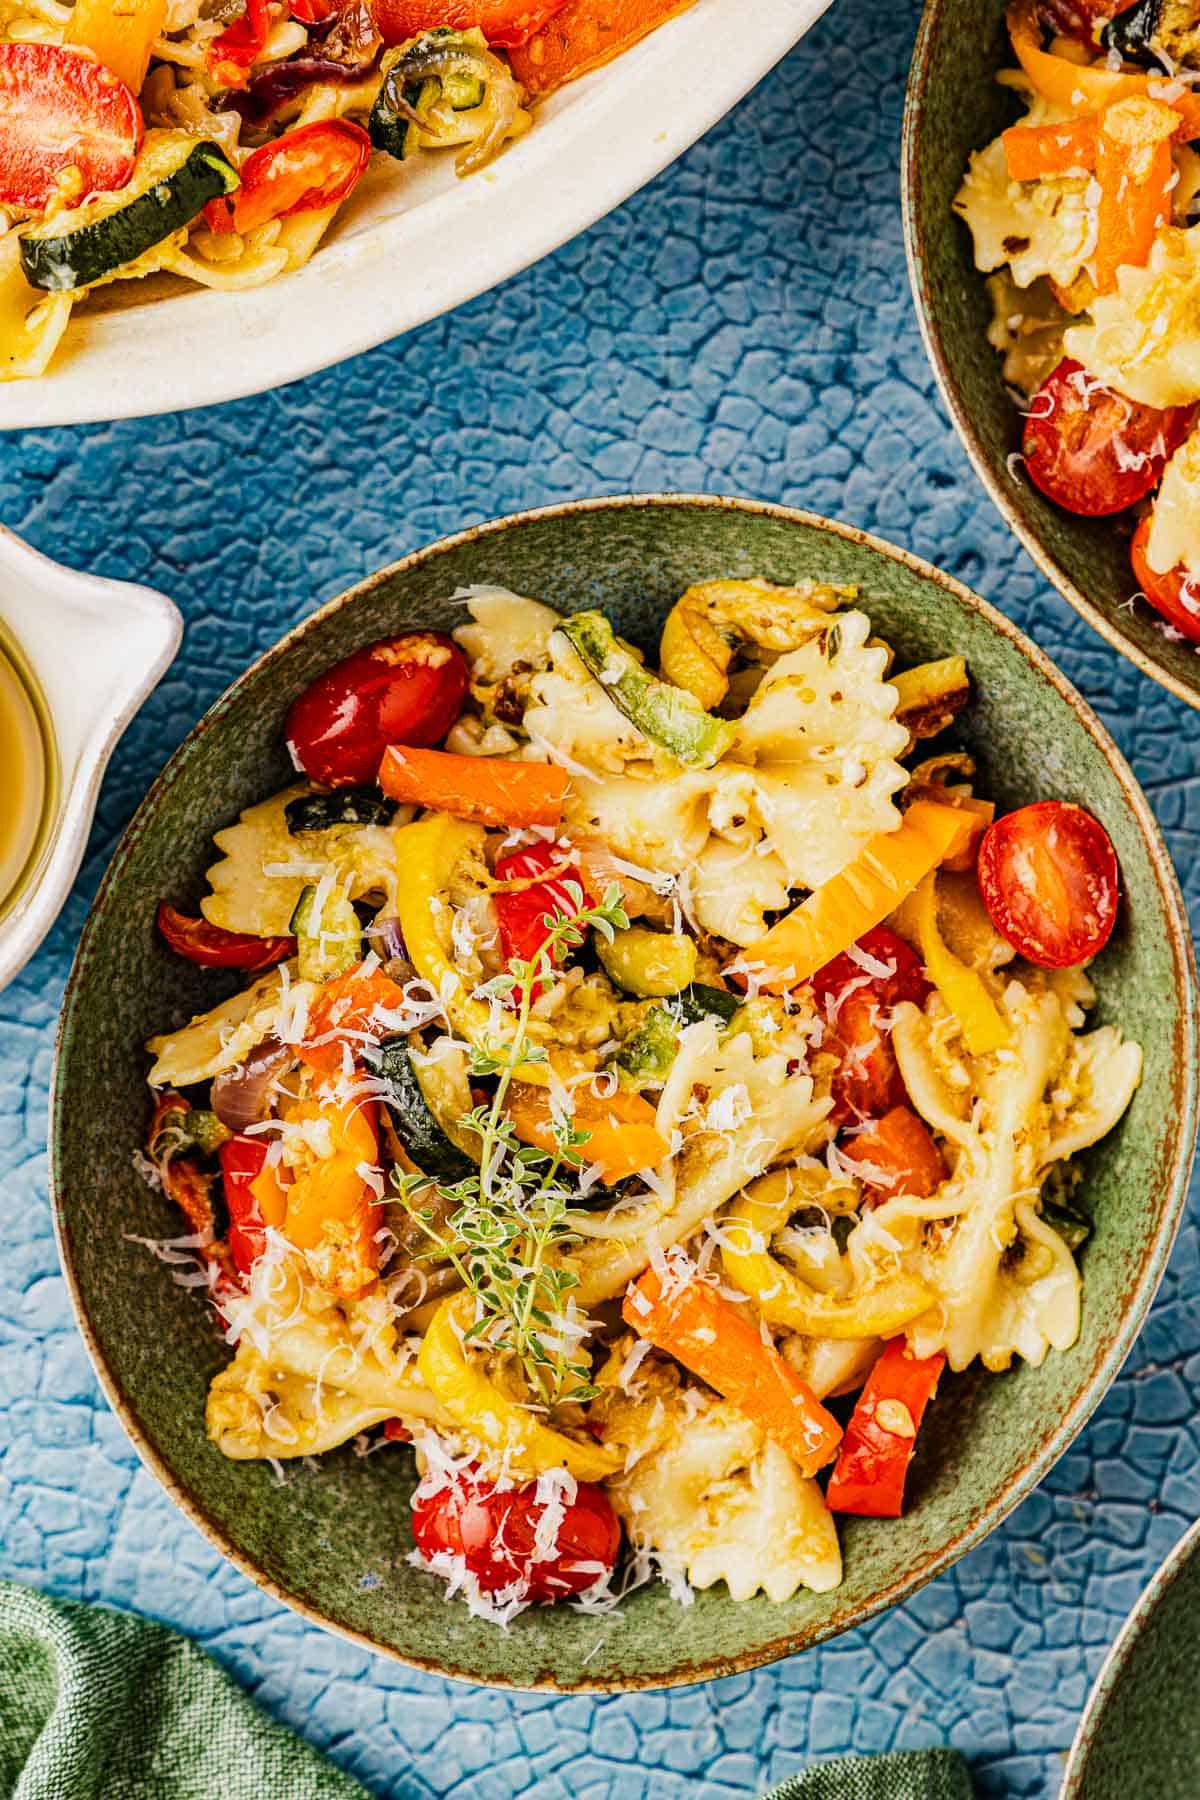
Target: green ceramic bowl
[
  {"x": 954, "y": 107},
  {"x": 1142, "y": 1714},
  {"x": 332, "y": 1541}
]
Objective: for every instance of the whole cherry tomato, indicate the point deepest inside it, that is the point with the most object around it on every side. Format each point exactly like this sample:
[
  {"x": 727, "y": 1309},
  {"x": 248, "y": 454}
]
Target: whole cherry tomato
[
  {"x": 212, "y": 948},
  {"x": 494, "y": 1531},
  {"x": 1093, "y": 451},
  {"x": 1176, "y": 595},
  {"x": 254, "y": 1198},
  {"x": 61, "y": 111},
  {"x": 503, "y": 22},
  {"x": 404, "y": 690},
  {"x": 1048, "y": 876},
  {"x": 854, "y": 1003}
]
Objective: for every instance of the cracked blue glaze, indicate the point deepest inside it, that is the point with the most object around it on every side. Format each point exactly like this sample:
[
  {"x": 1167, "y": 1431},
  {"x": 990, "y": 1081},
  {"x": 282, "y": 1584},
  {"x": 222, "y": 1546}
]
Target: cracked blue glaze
[{"x": 743, "y": 325}]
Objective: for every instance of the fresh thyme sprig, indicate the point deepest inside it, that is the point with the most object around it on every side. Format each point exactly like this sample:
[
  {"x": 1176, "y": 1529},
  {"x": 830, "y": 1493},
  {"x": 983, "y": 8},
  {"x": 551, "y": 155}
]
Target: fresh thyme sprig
[{"x": 504, "y": 1225}]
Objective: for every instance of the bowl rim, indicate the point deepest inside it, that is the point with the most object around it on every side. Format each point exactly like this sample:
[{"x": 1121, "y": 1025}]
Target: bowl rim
[
  {"x": 1120, "y": 1650},
  {"x": 1154, "y": 1256},
  {"x": 931, "y": 336}
]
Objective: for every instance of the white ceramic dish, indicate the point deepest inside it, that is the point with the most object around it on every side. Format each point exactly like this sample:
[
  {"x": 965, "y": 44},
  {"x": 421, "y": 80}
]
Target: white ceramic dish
[
  {"x": 95, "y": 648},
  {"x": 415, "y": 241}
]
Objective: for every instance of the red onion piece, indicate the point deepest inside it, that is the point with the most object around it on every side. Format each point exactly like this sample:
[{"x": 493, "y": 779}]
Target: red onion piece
[{"x": 241, "y": 1096}]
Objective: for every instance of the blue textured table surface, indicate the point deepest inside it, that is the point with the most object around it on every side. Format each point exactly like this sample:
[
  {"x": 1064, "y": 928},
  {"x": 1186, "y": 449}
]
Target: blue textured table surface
[{"x": 743, "y": 325}]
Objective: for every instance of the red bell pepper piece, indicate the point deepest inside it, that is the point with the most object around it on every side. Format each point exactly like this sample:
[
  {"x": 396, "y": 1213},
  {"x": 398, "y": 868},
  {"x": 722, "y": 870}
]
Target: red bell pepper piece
[
  {"x": 254, "y": 1198},
  {"x": 240, "y": 45},
  {"x": 872, "y": 1464},
  {"x": 212, "y": 948},
  {"x": 897, "y": 1155},
  {"x": 313, "y": 166}
]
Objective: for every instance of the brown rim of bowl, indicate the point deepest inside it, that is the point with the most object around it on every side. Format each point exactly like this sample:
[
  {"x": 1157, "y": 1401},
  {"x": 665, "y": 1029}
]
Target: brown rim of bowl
[
  {"x": 1119, "y": 1652},
  {"x": 914, "y": 108},
  {"x": 1154, "y": 1258}
]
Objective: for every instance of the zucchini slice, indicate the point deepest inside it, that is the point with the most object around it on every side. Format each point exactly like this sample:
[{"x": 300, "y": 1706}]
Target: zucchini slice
[
  {"x": 344, "y": 806},
  {"x": 391, "y": 127},
  {"x": 412, "y": 1117},
  {"x": 667, "y": 715},
  {"x": 175, "y": 177},
  {"x": 329, "y": 943}
]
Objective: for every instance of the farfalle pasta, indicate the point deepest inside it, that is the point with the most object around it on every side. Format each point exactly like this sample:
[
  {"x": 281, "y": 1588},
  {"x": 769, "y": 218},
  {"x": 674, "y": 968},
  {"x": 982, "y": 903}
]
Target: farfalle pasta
[{"x": 638, "y": 1059}]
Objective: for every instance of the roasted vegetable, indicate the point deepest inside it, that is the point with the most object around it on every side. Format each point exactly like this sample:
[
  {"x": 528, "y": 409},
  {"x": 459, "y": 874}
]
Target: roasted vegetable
[
  {"x": 345, "y": 806},
  {"x": 650, "y": 964},
  {"x": 668, "y": 716},
  {"x": 328, "y": 934},
  {"x": 412, "y": 1118}
]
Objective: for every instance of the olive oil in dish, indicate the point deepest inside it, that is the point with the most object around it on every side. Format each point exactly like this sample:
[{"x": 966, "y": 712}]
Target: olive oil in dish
[{"x": 24, "y": 774}]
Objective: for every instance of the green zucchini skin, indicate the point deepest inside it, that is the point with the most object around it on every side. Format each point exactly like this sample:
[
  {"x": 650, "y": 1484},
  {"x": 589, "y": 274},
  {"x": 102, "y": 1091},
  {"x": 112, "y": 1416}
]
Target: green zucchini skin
[
  {"x": 1073, "y": 1226},
  {"x": 94, "y": 240},
  {"x": 390, "y": 129},
  {"x": 336, "y": 943},
  {"x": 700, "y": 1002},
  {"x": 648, "y": 1052},
  {"x": 345, "y": 806},
  {"x": 413, "y": 1122},
  {"x": 667, "y": 715},
  {"x": 1132, "y": 33}
]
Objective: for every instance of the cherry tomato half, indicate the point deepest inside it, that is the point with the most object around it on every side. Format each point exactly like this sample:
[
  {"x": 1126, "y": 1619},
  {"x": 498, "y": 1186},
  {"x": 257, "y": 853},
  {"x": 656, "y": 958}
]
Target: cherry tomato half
[
  {"x": 503, "y": 22},
  {"x": 1176, "y": 595},
  {"x": 213, "y": 948},
  {"x": 1048, "y": 876},
  {"x": 523, "y": 916},
  {"x": 404, "y": 690},
  {"x": 494, "y": 1532},
  {"x": 854, "y": 1005},
  {"x": 62, "y": 111},
  {"x": 1091, "y": 450},
  {"x": 312, "y": 166}
]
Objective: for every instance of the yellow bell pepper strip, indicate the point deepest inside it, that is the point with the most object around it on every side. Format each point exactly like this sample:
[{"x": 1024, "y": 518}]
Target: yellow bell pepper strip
[
  {"x": 717, "y": 1341},
  {"x": 837, "y": 914},
  {"x": 695, "y": 655},
  {"x": 428, "y": 852},
  {"x": 931, "y": 695},
  {"x": 870, "y": 1472},
  {"x": 983, "y": 1026},
  {"x": 119, "y": 33},
  {"x": 331, "y": 1214},
  {"x": 622, "y": 1136},
  {"x": 709, "y": 621},
  {"x": 527, "y": 1447},
  {"x": 1136, "y": 173},
  {"x": 783, "y": 1298},
  {"x": 488, "y": 790},
  {"x": 582, "y": 35}
]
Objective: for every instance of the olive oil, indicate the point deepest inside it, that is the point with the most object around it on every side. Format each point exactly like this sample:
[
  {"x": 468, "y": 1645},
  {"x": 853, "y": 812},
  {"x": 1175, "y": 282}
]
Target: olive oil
[{"x": 26, "y": 773}]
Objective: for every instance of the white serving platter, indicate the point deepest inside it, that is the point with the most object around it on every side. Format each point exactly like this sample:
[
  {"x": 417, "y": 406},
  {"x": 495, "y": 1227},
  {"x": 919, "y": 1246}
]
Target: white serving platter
[{"x": 415, "y": 241}]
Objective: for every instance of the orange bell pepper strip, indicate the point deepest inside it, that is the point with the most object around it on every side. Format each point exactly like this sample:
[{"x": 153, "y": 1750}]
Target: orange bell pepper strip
[
  {"x": 1135, "y": 174},
  {"x": 720, "y": 1342},
  {"x": 622, "y": 1136},
  {"x": 1083, "y": 88},
  {"x": 898, "y": 1156},
  {"x": 1036, "y": 150},
  {"x": 889, "y": 866},
  {"x": 584, "y": 34},
  {"x": 331, "y": 1214},
  {"x": 872, "y": 1466},
  {"x": 345, "y": 1017},
  {"x": 487, "y": 790}
]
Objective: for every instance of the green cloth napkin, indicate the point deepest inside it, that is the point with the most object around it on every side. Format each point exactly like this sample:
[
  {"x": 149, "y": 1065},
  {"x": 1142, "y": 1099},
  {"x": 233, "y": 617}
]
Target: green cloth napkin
[
  {"x": 100, "y": 1705},
  {"x": 904, "y": 1775}
]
